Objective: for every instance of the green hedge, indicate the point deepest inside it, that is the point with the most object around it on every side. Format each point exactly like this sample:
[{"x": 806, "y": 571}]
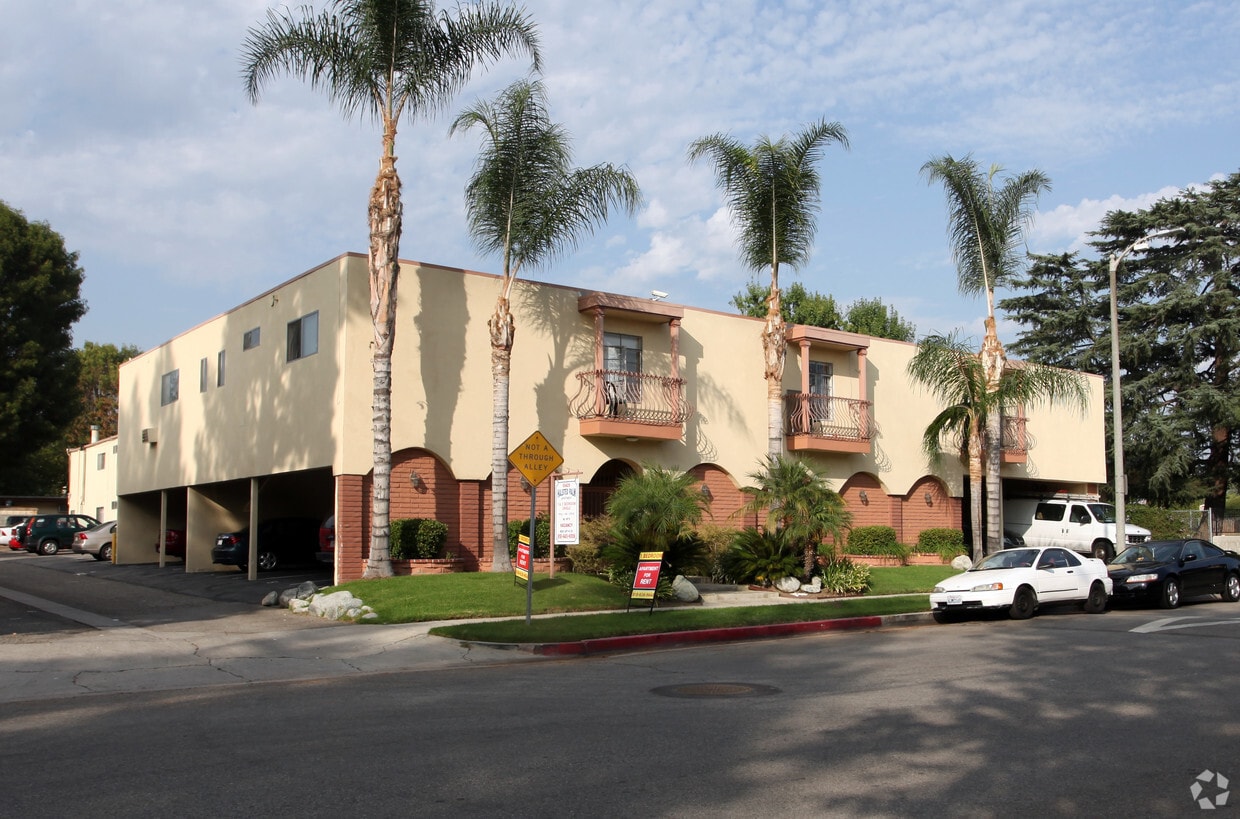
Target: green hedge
[
  {"x": 417, "y": 538},
  {"x": 877, "y": 541},
  {"x": 542, "y": 536},
  {"x": 946, "y": 543}
]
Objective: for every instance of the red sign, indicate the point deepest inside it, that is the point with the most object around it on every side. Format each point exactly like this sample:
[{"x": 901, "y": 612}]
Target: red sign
[
  {"x": 523, "y": 557},
  {"x": 647, "y": 578}
]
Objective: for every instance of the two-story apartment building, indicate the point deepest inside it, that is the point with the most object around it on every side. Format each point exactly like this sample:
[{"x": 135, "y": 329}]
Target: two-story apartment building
[
  {"x": 267, "y": 408},
  {"x": 92, "y": 477}
]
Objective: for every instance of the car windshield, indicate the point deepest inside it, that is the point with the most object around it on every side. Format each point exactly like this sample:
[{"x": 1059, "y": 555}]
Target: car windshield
[
  {"x": 1007, "y": 559},
  {"x": 1148, "y": 553},
  {"x": 1104, "y": 512}
]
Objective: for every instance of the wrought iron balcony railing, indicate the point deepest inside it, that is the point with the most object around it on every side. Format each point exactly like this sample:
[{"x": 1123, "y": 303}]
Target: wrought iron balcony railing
[
  {"x": 632, "y": 397},
  {"x": 824, "y": 416},
  {"x": 1013, "y": 438}
]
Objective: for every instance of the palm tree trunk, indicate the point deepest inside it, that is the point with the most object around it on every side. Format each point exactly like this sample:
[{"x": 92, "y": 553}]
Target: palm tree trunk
[
  {"x": 502, "y": 332},
  {"x": 975, "y": 491},
  {"x": 993, "y": 362},
  {"x": 774, "y": 350},
  {"x": 385, "y": 226}
]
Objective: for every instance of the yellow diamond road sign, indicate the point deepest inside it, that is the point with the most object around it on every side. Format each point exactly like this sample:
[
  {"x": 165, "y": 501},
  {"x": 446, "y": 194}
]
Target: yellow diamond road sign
[{"x": 535, "y": 459}]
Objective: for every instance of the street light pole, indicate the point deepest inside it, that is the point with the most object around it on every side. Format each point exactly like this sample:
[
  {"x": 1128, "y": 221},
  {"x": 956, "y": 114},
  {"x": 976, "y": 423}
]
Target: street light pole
[{"x": 1117, "y": 414}]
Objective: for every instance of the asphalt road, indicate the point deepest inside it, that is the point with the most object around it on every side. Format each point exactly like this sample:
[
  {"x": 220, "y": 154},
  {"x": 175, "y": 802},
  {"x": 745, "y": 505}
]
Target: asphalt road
[{"x": 1066, "y": 714}]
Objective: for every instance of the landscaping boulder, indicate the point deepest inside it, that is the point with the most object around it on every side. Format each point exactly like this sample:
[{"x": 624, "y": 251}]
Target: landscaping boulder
[
  {"x": 788, "y": 584},
  {"x": 685, "y": 591},
  {"x": 813, "y": 587},
  {"x": 335, "y": 605}
]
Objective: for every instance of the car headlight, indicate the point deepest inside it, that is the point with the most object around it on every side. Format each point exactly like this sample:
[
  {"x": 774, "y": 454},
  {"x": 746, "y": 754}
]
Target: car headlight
[
  {"x": 1142, "y": 578},
  {"x": 939, "y": 589},
  {"x": 988, "y": 587}
]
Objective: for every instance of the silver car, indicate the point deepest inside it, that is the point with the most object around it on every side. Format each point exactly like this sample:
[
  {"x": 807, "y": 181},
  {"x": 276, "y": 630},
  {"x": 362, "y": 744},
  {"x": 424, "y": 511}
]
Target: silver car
[{"x": 96, "y": 541}]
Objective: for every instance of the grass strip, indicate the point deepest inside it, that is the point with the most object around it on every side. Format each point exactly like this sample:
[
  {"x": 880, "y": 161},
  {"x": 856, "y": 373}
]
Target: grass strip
[{"x": 641, "y": 621}]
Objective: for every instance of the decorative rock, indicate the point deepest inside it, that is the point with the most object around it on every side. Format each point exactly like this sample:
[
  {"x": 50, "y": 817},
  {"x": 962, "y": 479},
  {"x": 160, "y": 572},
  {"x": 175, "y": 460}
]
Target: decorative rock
[
  {"x": 814, "y": 587},
  {"x": 273, "y": 599},
  {"x": 684, "y": 590},
  {"x": 962, "y": 563},
  {"x": 333, "y": 606},
  {"x": 299, "y": 606},
  {"x": 788, "y": 584}
]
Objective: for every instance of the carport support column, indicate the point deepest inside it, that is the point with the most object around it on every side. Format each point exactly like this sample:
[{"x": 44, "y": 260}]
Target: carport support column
[
  {"x": 163, "y": 527},
  {"x": 252, "y": 562}
]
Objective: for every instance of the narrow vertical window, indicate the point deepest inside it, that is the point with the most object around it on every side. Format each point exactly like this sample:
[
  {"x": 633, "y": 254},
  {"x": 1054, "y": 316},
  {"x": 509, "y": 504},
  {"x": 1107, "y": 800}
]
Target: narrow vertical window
[
  {"x": 202, "y": 375},
  {"x": 219, "y": 369},
  {"x": 101, "y": 460},
  {"x": 303, "y": 336}
]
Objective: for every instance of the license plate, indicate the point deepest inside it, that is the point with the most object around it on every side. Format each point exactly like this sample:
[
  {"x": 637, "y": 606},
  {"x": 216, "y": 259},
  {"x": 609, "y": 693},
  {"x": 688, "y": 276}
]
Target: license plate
[{"x": 953, "y": 600}]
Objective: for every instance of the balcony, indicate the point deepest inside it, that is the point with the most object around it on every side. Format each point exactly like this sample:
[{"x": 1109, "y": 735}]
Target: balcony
[
  {"x": 1013, "y": 440},
  {"x": 822, "y": 423},
  {"x": 617, "y": 404}
]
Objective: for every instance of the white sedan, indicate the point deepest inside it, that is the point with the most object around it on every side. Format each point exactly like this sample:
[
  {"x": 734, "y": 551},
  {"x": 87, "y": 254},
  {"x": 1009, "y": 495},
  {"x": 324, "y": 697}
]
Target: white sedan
[{"x": 1020, "y": 580}]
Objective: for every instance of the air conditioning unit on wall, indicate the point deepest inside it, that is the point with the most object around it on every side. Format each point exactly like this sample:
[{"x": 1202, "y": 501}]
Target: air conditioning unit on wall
[{"x": 150, "y": 436}]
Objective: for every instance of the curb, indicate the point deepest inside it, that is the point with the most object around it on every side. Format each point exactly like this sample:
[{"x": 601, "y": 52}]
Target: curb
[{"x": 600, "y": 645}]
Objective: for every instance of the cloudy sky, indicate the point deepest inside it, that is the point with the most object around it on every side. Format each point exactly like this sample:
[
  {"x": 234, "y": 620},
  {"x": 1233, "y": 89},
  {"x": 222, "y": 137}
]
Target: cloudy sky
[{"x": 124, "y": 125}]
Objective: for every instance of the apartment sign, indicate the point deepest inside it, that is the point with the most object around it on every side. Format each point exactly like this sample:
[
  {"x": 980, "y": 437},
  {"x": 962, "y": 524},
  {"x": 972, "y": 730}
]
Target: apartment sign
[
  {"x": 567, "y": 504},
  {"x": 535, "y": 459}
]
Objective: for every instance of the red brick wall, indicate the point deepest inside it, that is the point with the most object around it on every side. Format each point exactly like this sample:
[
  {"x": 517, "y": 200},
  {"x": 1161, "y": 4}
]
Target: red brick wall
[
  {"x": 352, "y": 526},
  {"x": 942, "y": 512}
]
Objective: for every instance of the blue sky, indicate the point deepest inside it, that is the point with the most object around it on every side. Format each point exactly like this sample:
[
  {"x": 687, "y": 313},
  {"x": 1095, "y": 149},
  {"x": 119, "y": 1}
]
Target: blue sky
[{"x": 125, "y": 126}]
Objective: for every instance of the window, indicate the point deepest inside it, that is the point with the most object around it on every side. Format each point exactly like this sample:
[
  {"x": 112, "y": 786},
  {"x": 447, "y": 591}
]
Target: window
[
  {"x": 219, "y": 369},
  {"x": 303, "y": 336},
  {"x": 820, "y": 373},
  {"x": 250, "y": 340},
  {"x": 101, "y": 460},
  {"x": 169, "y": 388},
  {"x": 202, "y": 375},
  {"x": 622, "y": 359}
]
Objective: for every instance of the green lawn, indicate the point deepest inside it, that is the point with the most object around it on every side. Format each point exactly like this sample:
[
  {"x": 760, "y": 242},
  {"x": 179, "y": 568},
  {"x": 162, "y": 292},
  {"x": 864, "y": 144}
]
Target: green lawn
[{"x": 477, "y": 595}]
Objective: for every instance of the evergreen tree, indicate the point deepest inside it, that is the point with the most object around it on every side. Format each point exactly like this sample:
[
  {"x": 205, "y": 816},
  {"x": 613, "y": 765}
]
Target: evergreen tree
[{"x": 40, "y": 300}]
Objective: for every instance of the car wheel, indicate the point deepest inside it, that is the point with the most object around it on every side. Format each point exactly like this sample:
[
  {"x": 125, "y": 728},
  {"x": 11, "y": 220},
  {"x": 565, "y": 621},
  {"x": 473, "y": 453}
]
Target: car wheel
[
  {"x": 1023, "y": 604},
  {"x": 49, "y": 547},
  {"x": 1096, "y": 603},
  {"x": 104, "y": 553},
  {"x": 941, "y": 616},
  {"x": 267, "y": 561},
  {"x": 1170, "y": 597},
  {"x": 1103, "y": 551},
  {"x": 1231, "y": 588}
]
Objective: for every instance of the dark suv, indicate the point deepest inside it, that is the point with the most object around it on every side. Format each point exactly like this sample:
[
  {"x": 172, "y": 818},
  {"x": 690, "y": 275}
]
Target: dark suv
[{"x": 48, "y": 534}]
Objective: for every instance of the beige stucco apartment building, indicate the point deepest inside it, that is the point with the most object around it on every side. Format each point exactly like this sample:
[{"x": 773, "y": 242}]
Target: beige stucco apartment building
[{"x": 266, "y": 410}]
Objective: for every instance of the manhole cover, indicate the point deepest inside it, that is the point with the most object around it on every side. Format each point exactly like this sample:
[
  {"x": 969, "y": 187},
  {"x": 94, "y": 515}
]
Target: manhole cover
[{"x": 715, "y": 690}]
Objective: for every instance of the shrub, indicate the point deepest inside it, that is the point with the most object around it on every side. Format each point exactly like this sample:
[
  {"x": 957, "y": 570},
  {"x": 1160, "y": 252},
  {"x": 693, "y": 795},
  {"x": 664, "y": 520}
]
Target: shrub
[
  {"x": 1164, "y": 524},
  {"x": 842, "y": 576},
  {"x": 876, "y": 541},
  {"x": 759, "y": 556},
  {"x": 946, "y": 543},
  {"x": 718, "y": 540},
  {"x": 417, "y": 538},
  {"x": 683, "y": 555},
  {"x": 542, "y": 536}
]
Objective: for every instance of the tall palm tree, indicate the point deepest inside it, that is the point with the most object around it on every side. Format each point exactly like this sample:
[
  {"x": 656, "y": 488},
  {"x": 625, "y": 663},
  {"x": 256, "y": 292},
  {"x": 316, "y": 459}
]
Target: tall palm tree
[
  {"x": 656, "y": 510},
  {"x": 526, "y": 202},
  {"x": 385, "y": 59},
  {"x": 958, "y": 377},
  {"x": 986, "y": 228},
  {"x": 798, "y": 503},
  {"x": 772, "y": 190}
]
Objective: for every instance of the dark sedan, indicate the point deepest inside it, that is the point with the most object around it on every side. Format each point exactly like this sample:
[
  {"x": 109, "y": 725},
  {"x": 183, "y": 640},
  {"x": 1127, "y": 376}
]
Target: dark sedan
[
  {"x": 281, "y": 541},
  {"x": 1167, "y": 571}
]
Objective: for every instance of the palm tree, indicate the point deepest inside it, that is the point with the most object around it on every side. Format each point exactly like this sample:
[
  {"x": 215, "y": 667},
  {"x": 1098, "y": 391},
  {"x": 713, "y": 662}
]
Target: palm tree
[
  {"x": 656, "y": 510},
  {"x": 958, "y": 377},
  {"x": 526, "y": 202},
  {"x": 772, "y": 191},
  {"x": 986, "y": 227},
  {"x": 798, "y": 503},
  {"x": 384, "y": 58}
]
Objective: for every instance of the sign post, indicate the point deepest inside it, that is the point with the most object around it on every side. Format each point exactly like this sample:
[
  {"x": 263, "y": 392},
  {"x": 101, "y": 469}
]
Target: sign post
[
  {"x": 535, "y": 459},
  {"x": 646, "y": 578}
]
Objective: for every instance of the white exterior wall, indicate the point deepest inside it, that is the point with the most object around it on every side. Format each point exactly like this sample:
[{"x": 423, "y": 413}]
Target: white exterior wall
[{"x": 92, "y": 479}]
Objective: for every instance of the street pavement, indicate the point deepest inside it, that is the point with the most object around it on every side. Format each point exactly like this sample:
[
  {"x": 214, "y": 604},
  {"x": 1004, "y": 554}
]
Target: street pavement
[{"x": 151, "y": 628}]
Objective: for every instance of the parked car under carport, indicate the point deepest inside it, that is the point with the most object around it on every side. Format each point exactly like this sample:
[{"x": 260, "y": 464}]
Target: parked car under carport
[{"x": 281, "y": 542}]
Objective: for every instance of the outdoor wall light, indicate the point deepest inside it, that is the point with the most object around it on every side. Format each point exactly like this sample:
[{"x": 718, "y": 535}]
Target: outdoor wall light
[
  {"x": 864, "y": 497},
  {"x": 706, "y": 493},
  {"x": 415, "y": 480},
  {"x": 929, "y": 499}
]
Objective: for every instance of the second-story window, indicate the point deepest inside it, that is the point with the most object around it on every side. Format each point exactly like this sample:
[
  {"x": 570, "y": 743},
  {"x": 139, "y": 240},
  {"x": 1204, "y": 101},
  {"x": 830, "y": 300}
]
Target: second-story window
[
  {"x": 250, "y": 340},
  {"x": 820, "y": 377},
  {"x": 622, "y": 359},
  {"x": 303, "y": 336},
  {"x": 101, "y": 460},
  {"x": 219, "y": 369},
  {"x": 202, "y": 375},
  {"x": 169, "y": 388}
]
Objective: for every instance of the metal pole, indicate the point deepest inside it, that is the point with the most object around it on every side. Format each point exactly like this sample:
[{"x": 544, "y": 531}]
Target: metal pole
[{"x": 529, "y": 578}]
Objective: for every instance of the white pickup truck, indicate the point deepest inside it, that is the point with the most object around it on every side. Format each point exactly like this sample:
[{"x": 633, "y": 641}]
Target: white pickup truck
[{"x": 1083, "y": 525}]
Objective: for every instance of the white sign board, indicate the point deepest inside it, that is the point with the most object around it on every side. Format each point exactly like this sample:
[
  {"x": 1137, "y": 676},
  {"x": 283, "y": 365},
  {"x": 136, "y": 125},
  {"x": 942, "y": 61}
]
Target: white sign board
[{"x": 567, "y": 512}]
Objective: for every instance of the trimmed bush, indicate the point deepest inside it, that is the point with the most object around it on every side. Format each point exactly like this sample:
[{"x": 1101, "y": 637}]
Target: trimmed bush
[
  {"x": 842, "y": 576},
  {"x": 946, "y": 543},
  {"x": 417, "y": 538},
  {"x": 762, "y": 557},
  {"x": 877, "y": 541},
  {"x": 542, "y": 536},
  {"x": 1164, "y": 524}
]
